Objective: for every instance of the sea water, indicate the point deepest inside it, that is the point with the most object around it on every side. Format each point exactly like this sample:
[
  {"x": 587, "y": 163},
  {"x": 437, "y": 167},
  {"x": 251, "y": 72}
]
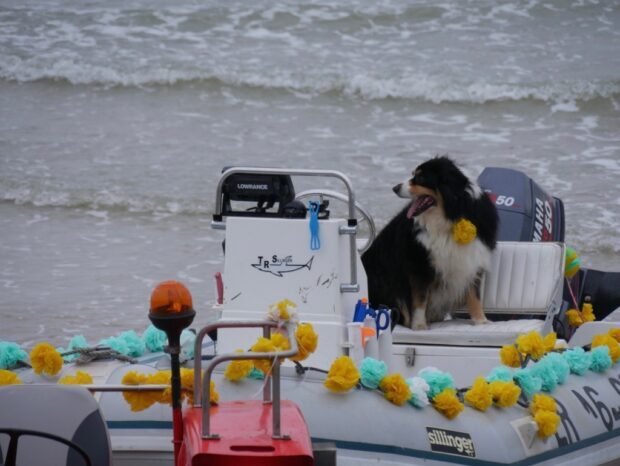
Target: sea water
[{"x": 117, "y": 116}]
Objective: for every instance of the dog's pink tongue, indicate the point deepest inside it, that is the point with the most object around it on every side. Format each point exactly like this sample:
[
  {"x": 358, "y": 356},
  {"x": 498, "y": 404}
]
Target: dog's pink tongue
[
  {"x": 412, "y": 209},
  {"x": 419, "y": 205}
]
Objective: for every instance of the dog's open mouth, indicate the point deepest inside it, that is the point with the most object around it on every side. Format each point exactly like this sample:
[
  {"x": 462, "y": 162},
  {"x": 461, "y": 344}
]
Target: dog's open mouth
[{"x": 420, "y": 204}]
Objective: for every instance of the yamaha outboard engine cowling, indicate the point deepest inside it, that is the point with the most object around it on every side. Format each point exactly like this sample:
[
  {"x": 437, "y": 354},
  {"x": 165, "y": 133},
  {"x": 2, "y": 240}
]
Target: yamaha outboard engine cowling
[{"x": 526, "y": 212}]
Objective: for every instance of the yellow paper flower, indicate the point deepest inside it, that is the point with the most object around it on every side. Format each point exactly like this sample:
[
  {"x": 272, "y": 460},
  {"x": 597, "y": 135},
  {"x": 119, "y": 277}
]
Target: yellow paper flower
[
  {"x": 187, "y": 384},
  {"x": 214, "y": 395},
  {"x": 505, "y": 394},
  {"x": 509, "y": 356},
  {"x": 138, "y": 401},
  {"x": 80, "y": 378},
  {"x": 479, "y": 395},
  {"x": 280, "y": 341},
  {"x": 9, "y": 378},
  {"x": 549, "y": 341},
  {"x": 263, "y": 345},
  {"x": 615, "y": 333},
  {"x": 542, "y": 402},
  {"x": 610, "y": 342},
  {"x": 448, "y": 404},
  {"x": 587, "y": 313},
  {"x": 133, "y": 378},
  {"x": 464, "y": 232},
  {"x": 574, "y": 318},
  {"x": 547, "y": 422},
  {"x": 531, "y": 344},
  {"x": 395, "y": 389},
  {"x": 307, "y": 341},
  {"x": 279, "y": 311},
  {"x": 342, "y": 375},
  {"x": 237, "y": 370},
  {"x": 44, "y": 358},
  {"x": 160, "y": 378}
]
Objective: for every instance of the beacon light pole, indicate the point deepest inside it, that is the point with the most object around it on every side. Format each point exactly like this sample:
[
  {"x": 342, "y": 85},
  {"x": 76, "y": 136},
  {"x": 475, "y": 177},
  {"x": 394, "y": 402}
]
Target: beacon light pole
[{"x": 172, "y": 311}]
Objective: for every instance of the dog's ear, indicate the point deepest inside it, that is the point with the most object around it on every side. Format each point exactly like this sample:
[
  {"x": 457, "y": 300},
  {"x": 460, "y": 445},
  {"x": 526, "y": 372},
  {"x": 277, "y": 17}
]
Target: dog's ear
[{"x": 452, "y": 185}]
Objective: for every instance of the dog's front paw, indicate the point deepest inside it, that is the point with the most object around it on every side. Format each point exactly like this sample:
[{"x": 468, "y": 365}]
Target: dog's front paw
[
  {"x": 482, "y": 321},
  {"x": 420, "y": 326}
]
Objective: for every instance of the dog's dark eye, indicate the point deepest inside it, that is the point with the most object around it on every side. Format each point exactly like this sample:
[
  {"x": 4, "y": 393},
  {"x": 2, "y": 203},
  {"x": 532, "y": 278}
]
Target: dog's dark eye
[{"x": 418, "y": 179}]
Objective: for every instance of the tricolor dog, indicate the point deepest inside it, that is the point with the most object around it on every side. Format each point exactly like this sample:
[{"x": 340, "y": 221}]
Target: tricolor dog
[{"x": 430, "y": 258}]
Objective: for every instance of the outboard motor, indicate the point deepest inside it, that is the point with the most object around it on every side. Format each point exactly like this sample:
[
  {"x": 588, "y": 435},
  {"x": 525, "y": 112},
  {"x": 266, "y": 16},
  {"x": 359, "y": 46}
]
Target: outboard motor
[{"x": 526, "y": 212}]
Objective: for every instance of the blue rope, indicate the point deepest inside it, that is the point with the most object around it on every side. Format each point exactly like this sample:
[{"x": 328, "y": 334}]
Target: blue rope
[{"x": 315, "y": 242}]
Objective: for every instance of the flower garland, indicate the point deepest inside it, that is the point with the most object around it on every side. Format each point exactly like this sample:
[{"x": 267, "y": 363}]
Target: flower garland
[
  {"x": 306, "y": 337},
  {"x": 141, "y": 400},
  {"x": 464, "y": 231},
  {"x": 126, "y": 343},
  {"x": 502, "y": 387}
]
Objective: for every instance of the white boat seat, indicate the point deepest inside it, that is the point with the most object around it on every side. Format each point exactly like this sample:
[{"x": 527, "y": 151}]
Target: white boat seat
[
  {"x": 461, "y": 332},
  {"x": 67, "y": 411},
  {"x": 524, "y": 280}
]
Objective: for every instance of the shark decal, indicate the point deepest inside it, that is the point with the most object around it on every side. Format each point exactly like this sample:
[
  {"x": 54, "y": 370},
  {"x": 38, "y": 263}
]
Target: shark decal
[{"x": 278, "y": 266}]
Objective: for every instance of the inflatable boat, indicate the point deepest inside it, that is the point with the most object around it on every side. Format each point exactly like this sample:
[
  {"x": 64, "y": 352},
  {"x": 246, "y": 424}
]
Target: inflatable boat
[{"x": 537, "y": 385}]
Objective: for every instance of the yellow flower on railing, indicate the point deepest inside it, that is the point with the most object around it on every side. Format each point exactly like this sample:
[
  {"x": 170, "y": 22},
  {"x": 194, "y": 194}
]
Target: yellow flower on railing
[
  {"x": 263, "y": 345},
  {"x": 615, "y": 333},
  {"x": 307, "y": 341},
  {"x": 240, "y": 369},
  {"x": 45, "y": 358},
  {"x": 342, "y": 375},
  {"x": 395, "y": 389},
  {"x": 479, "y": 395},
  {"x": 447, "y": 403},
  {"x": 464, "y": 232},
  {"x": 138, "y": 401},
  {"x": 9, "y": 378},
  {"x": 80, "y": 378},
  {"x": 280, "y": 341}
]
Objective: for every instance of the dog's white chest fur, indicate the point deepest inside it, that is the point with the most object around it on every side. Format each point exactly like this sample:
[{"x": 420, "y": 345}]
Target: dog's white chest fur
[{"x": 456, "y": 265}]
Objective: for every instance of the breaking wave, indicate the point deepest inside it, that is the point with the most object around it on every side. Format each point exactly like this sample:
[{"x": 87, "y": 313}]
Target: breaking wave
[
  {"x": 103, "y": 200},
  {"x": 417, "y": 87}
]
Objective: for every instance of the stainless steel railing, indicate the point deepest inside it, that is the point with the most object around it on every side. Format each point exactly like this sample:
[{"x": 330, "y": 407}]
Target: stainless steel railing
[{"x": 202, "y": 388}]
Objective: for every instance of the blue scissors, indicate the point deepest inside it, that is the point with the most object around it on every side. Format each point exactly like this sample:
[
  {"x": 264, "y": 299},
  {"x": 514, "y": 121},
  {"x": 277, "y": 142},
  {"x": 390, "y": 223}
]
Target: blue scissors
[{"x": 378, "y": 315}]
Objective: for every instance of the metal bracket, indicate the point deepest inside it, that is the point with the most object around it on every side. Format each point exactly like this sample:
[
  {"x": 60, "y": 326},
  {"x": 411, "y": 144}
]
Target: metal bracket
[
  {"x": 409, "y": 356},
  {"x": 347, "y": 230},
  {"x": 349, "y": 288}
]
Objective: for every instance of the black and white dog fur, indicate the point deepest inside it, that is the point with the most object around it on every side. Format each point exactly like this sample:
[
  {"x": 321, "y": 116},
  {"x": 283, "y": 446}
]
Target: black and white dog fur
[{"x": 415, "y": 265}]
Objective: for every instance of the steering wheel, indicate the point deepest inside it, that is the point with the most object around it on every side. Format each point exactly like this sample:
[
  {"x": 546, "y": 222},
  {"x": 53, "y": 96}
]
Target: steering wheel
[{"x": 365, "y": 223}]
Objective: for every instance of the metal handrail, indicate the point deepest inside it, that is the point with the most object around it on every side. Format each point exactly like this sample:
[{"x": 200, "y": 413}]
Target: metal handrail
[
  {"x": 204, "y": 388},
  {"x": 217, "y": 223}
]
